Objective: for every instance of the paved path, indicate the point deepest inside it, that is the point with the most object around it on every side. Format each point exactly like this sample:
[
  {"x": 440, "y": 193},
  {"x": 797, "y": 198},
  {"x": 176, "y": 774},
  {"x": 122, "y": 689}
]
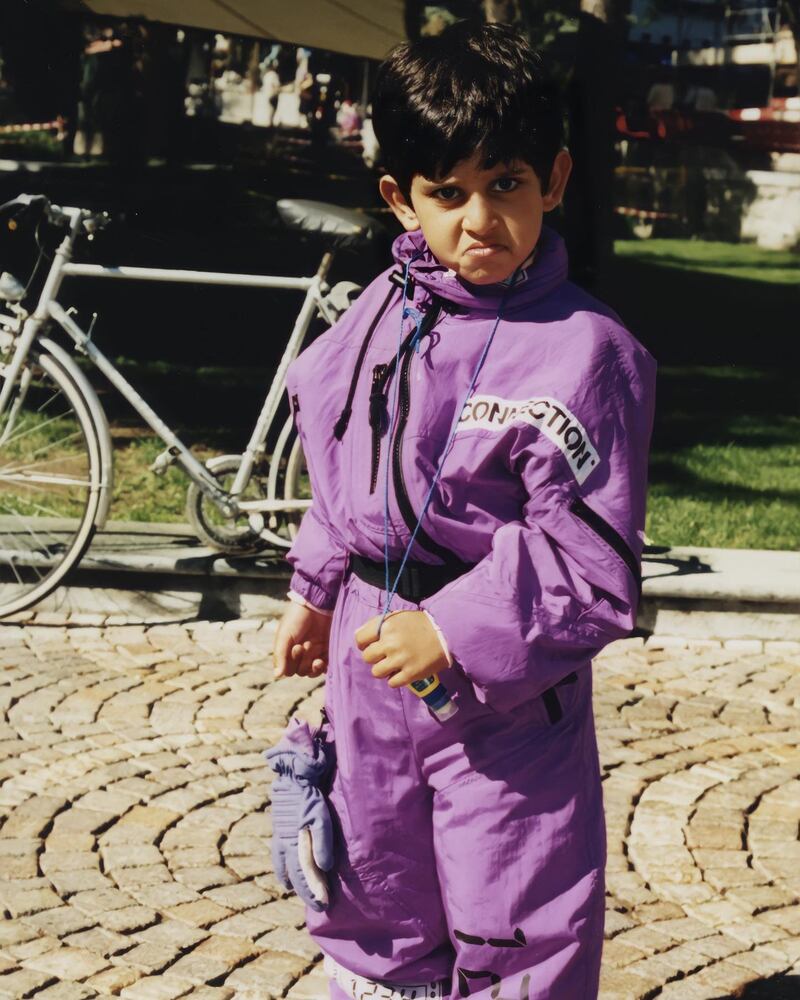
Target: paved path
[{"x": 134, "y": 845}]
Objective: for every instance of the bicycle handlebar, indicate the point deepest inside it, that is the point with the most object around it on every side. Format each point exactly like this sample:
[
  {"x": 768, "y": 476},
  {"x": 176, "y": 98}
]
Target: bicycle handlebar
[{"x": 58, "y": 215}]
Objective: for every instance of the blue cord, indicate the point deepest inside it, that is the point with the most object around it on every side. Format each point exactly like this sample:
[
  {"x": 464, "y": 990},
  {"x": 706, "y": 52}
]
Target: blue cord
[{"x": 418, "y": 319}]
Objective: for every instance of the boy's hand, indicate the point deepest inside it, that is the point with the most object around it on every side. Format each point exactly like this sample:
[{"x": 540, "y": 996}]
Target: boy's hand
[
  {"x": 408, "y": 648},
  {"x": 301, "y": 642}
]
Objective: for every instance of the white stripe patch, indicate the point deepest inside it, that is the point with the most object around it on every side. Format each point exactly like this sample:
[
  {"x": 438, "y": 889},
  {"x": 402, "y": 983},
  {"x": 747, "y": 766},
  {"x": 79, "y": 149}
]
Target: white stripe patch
[
  {"x": 552, "y": 418},
  {"x": 360, "y": 988}
]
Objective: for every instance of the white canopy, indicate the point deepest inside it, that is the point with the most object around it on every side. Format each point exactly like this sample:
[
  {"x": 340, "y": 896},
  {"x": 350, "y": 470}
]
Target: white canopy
[{"x": 357, "y": 27}]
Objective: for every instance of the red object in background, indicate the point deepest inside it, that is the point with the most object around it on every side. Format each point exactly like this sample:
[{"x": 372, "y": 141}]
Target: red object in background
[
  {"x": 675, "y": 126},
  {"x": 775, "y": 128}
]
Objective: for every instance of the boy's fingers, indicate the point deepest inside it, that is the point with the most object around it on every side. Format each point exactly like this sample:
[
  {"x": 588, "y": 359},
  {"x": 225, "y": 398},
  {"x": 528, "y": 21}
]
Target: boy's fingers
[
  {"x": 373, "y": 653},
  {"x": 367, "y": 633},
  {"x": 308, "y": 658},
  {"x": 279, "y": 655},
  {"x": 385, "y": 668}
]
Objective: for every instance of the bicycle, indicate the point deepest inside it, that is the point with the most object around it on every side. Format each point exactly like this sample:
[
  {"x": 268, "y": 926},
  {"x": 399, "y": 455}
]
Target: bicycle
[{"x": 56, "y": 460}]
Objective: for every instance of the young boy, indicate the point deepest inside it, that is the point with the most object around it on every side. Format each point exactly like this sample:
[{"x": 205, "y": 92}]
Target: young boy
[{"x": 468, "y": 853}]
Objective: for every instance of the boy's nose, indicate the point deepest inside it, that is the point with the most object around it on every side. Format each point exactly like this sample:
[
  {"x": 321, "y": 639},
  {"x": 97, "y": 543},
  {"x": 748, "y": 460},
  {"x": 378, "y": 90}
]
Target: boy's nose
[{"x": 479, "y": 216}]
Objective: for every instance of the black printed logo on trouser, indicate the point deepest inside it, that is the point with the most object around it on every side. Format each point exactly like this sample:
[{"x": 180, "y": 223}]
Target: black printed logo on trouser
[{"x": 468, "y": 976}]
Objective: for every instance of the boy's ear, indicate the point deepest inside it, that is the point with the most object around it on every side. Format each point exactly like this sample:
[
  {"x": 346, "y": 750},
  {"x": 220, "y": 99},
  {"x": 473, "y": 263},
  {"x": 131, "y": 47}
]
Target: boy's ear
[
  {"x": 559, "y": 175},
  {"x": 396, "y": 200}
]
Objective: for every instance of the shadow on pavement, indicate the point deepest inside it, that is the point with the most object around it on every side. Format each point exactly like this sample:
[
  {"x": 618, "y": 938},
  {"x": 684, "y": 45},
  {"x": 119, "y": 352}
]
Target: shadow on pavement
[
  {"x": 681, "y": 565},
  {"x": 776, "y": 988}
]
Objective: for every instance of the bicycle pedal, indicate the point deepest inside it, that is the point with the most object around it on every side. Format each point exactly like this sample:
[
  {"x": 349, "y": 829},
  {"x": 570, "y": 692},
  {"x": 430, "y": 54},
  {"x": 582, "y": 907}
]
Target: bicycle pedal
[{"x": 164, "y": 461}]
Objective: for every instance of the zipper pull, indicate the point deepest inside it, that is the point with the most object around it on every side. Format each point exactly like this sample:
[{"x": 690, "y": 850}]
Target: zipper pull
[
  {"x": 417, "y": 317},
  {"x": 377, "y": 403}
]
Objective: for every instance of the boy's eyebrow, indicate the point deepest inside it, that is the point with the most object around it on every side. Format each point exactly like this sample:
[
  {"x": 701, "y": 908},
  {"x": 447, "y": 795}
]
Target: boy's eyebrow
[{"x": 452, "y": 181}]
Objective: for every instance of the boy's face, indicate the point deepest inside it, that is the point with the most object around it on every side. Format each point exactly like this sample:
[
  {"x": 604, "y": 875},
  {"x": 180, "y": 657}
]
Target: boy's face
[{"x": 482, "y": 224}]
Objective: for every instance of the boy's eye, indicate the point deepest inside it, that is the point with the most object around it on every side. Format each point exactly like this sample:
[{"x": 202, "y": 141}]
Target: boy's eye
[
  {"x": 506, "y": 184},
  {"x": 449, "y": 193}
]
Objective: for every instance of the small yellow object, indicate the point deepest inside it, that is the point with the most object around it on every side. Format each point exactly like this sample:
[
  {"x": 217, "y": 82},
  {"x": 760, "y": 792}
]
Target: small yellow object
[
  {"x": 425, "y": 686},
  {"x": 12, "y": 224}
]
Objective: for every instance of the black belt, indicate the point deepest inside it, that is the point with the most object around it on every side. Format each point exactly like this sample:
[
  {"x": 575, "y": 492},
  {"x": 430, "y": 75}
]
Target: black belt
[{"x": 419, "y": 580}]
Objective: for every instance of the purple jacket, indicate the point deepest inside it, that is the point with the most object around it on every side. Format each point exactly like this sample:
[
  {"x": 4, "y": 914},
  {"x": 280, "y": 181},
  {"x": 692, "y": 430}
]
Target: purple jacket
[{"x": 544, "y": 488}]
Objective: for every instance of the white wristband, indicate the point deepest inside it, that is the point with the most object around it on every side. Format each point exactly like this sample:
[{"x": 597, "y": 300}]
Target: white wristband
[
  {"x": 299, "y": 599},
  {"x": 442, "y": 639}
]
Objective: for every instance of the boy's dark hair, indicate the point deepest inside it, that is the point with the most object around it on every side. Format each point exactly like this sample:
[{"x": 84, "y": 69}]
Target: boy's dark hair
[{"x": 473, "y": 88}]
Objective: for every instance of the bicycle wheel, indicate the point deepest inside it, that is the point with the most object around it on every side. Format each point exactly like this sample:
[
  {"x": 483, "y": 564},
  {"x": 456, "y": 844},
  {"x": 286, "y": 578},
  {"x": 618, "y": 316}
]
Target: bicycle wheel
[
  {"x": 296, "y": 486},
  {"x": 50, "y": 477},
  {"x": 232, "y": 536}
]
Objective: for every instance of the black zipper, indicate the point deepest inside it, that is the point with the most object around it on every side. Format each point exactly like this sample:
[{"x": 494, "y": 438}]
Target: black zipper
[
  {"x": 403, "y": 500},
  {"x": 609, "y": 535},
  {"x": 377, "y": 401},
  {"x": 377, "y": 408}
]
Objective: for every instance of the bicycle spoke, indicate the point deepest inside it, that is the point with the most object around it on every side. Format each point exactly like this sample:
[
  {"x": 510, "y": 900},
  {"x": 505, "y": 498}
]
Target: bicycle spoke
[
  {"x": 47, "y": 511},
  {"x": 35, "y": 427},
  {"x": 55, "y": 538},
  {"x": 13, "y": 566},
  {"x": 48, "y": 465},
  {"x": 53, "y": 480},
  {"x": 22, "y": 551},
  {"x": 51, "y": 444},
  {"x": 47, "y": 402}
]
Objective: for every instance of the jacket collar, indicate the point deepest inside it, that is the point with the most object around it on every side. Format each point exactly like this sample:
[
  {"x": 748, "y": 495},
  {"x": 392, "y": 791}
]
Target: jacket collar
[{"x": 547, "y": 270}]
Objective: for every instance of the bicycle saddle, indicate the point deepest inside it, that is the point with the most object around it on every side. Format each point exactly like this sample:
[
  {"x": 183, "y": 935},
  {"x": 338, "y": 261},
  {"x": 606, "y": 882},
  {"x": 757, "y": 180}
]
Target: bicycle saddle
[{"x": 341, "y": 226}]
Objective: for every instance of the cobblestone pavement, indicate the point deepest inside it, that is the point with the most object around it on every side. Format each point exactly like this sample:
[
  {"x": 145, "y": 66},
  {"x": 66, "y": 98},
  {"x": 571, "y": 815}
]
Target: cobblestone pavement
[{"x": 134, "y": 844}]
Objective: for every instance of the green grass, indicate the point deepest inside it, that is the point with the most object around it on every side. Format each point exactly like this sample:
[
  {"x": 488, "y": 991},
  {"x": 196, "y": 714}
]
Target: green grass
[
  {"x": 734, "y": 260},
  {"x": 721, "y": 320},
  {"x": 725, "y": 462}
]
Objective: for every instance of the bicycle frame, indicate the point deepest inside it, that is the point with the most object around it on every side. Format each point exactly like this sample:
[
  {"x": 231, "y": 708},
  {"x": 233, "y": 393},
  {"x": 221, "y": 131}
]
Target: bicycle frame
[{"x": 49, "y": 308}]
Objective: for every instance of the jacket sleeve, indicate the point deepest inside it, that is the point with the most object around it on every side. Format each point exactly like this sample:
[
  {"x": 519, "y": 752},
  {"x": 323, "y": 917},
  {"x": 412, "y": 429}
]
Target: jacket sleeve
[
  {"x": 318, "y": 555},
  {"x": 565, "y": 579}
]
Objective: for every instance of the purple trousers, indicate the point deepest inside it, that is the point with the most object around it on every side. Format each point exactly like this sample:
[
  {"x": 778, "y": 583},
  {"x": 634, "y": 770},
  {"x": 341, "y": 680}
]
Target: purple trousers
[{"x": 471, "y": 850}]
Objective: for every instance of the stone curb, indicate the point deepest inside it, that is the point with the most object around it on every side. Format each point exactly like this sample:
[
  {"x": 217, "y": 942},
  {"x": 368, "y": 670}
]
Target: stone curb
[
  {"x": 743, "y": 576},
  {"x": 161, "y": 573}
]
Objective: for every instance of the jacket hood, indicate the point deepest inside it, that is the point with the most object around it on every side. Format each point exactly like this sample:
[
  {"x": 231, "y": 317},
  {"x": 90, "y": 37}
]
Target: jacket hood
[{"x": 546, "y": 272}]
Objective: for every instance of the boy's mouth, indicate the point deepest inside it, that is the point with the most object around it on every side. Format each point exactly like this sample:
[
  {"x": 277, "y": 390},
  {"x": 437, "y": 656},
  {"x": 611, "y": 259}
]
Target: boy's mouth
[{"x": 484, "y": 249}]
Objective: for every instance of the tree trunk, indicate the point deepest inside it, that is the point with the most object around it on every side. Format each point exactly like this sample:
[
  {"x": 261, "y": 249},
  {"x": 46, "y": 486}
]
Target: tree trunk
[
  {"x": 592, "y": 98},
  {"x": 791, "y": 10}
]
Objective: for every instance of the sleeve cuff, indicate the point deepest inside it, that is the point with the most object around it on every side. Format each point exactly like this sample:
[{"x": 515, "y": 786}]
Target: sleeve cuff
[
  {"x": 442, "y": 639},
  {"x": 299, "y": 599},
  {"x": 315, "y": 596}
]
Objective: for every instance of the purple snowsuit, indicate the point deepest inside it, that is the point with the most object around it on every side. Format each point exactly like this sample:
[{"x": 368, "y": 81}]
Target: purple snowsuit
[{"x": 472, "y": 850}]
